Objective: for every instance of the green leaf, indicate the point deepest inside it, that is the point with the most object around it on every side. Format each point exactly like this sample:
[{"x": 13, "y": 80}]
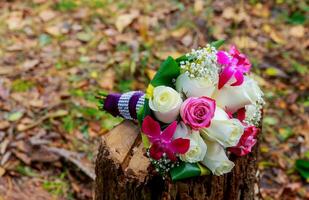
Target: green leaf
[
  {"x": 66, "y": 5},
  {"x": 270, "y": 120},
  {"x": 271, "y": 71},
  {"x": 302, "y": 166},
  {"x": 187, "y": 170},
  {"x": 58, "y": 65},
  {"x": 285, "y": 133},
  {"x": 140, "y": 114},
  {"x": 302, "y": 69},
  {"x": 14, "y": 116},
  {"x": 168, "y": 71},
  {"x": 143, "y": 112},
  {"x": 84, "y": 130},
  {"x": 84, "y": 59},
  {"x": 217, "y": 44},
  {"x": 25, "y": 171},
  {"x": 89, "y": 112},
  {"x": 68, "y": 123},
  {"x": 19, "y": 85},
  {"x": 57, "y": 187},
  {"x": 145, "y": 141},
  {"x": 84, "y": 36},
  {"x": 297, "y": 18},
  {"x": 110, "y": 121},
  {"x": 125, "y": 86},
  {"x": 265, "y": 164}
]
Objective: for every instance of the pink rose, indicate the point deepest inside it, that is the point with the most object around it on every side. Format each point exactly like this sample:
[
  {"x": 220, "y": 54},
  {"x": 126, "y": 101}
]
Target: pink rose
[
  {"x": 197, "y": 112},
  {"x": 246, "y": 142}
]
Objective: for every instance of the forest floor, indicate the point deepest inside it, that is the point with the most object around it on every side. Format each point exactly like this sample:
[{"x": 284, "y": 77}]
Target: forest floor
[{"x": 55, "y": 54}]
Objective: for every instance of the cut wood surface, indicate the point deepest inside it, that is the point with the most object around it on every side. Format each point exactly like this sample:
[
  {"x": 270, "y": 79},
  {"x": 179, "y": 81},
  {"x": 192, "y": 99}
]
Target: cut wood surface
[{"x": 123, "y": 172}]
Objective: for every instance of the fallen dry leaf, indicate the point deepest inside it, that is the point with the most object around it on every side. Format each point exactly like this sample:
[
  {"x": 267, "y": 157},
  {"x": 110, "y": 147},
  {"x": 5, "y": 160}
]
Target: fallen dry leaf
[
  {"x": 229, "y": 13},
  {"x": 29, "y": 64},
  {"x": 198, "y": 6},
  {"x": 245, "y": 42},
  {"x": 125, "y": 20},
  {"x": 4, "y": 125},
  {"x": 26, "y": 188},
  {"x": 107, "y": 80},
  {"x": 187, "y": 40},
  {"x": 38, "y": 103},
  {"x": 53, "y": 30},
  {"x": 22, "y": 156},
  {"x": 297, "y": 31},
  {"x": 51, "y": 115},
  {"x": 179, "y": 32},
  {"x": 15, "y": 21},
  {"x": 276, "y": 37},
  {"x": 3, "y": 145},
  {"x": 163, "y": 55},
  {"x": 6, "y": 70},
  {"x": 261, "y": 10},
  {"x": 150, "y": 73},
  {"x": 2, "y": 171},
  {"x": 47, "y": 15}
]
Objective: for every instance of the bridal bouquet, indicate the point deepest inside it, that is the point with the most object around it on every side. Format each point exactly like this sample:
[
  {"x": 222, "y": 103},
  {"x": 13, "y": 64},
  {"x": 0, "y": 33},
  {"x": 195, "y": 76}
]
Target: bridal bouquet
[{"x": 197, "y": 110}]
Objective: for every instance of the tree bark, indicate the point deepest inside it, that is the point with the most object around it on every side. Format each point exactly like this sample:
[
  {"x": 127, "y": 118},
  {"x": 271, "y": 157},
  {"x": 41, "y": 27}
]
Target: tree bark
[{"x": 122, "y": 172}]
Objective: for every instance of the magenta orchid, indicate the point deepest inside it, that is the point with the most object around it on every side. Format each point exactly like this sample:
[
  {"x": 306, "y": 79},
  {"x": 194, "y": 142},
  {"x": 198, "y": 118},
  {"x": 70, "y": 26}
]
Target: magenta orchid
[
  {"x": 235, "y": 64},
  {"x": 246, "y": 142},
  {"x": 162, "y": 141}
]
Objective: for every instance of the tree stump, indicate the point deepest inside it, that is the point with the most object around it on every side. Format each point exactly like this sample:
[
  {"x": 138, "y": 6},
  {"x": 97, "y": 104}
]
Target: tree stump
[{"x": 122, "y": 172}]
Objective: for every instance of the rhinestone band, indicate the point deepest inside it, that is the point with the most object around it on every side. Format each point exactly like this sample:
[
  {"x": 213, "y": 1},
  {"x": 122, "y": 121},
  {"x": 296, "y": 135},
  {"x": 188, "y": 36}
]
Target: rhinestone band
[{"x": 123, "y": 105}]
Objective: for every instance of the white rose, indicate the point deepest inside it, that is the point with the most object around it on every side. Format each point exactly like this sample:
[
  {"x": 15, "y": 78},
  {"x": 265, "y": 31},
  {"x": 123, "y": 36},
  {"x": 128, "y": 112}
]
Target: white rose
[
  {"x": 194, "y": 87},
  {"x": 224, "y": 130},
  {"x": 232, "y": 98},
  {"x": 197, "y": 149},
  {"x": 216, "y": 159},
  {"x": 165, "y": 103}
]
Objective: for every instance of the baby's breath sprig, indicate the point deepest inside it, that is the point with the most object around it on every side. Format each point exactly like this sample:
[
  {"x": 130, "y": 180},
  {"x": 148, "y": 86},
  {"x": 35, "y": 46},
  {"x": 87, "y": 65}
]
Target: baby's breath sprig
[
  {"x": 163, "y": 165},
  {"x": 253, "y": 114},
  {"x": 201, "y": 63}
]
